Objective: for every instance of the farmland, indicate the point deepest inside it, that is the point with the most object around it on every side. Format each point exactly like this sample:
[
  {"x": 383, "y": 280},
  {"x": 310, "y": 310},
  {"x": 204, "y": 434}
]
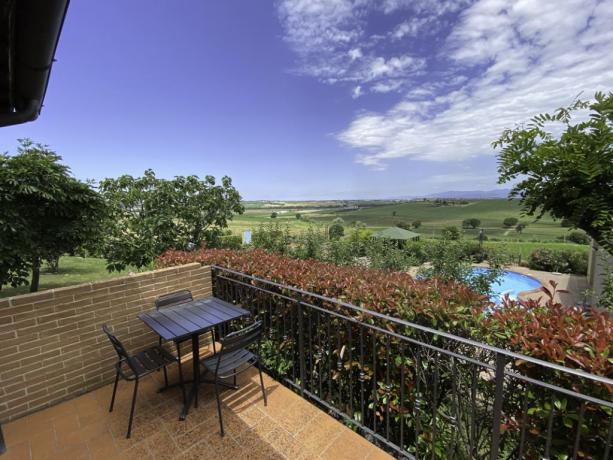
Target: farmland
[{"x": 433, "y": 217}]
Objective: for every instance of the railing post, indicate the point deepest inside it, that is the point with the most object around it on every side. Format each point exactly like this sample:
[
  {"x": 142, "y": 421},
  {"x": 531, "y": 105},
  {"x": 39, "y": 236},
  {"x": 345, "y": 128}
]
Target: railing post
[
  {"x": 498, "y": 398},
  {"x": 301, "y": 345}
]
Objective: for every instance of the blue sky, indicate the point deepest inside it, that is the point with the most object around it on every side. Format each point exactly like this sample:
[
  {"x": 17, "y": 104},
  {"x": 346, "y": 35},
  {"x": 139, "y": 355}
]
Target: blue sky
[{"x": 316, "y": 99}]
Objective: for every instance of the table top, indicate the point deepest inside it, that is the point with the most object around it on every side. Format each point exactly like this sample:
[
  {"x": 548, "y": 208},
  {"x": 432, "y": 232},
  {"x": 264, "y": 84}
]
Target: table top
[{"x": 195, "y": 317}]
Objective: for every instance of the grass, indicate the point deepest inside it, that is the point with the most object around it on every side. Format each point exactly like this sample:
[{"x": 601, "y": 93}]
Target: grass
[{"x": 72, "y": 270}]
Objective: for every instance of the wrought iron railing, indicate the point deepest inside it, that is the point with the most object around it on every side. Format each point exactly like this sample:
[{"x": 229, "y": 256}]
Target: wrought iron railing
[{"x": 419, "y": 392}]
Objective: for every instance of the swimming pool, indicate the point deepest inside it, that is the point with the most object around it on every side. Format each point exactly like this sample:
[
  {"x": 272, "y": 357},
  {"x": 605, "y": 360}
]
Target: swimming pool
[{"x": 511, "y": 283}]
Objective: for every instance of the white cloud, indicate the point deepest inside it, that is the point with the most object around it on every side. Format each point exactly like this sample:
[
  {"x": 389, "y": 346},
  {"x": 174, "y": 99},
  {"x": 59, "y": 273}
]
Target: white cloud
[
  {"x": 331, "y": 42},
  {"x": 507, "y": 60},
  {"x": 357, "y": 92}
]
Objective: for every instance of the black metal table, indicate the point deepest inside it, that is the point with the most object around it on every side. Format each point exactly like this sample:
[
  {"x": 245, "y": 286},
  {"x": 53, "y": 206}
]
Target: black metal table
[{"x": 192, "y": 319}]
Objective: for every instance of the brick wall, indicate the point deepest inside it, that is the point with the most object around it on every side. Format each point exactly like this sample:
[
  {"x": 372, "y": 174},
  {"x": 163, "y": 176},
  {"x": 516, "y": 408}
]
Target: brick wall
[{"x": 51, "y": 343}]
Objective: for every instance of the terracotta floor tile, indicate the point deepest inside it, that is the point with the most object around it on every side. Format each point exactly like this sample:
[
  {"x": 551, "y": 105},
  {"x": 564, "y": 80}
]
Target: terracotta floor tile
[
  {"x": 137, "y": 451},
  {"x": 198, "y": 451},
  {"x": 319, "y": 433},
  {"x": 288, "y": 428},
  {"x": 350, "y": 446},
  {"x": 226, "y": 446},
  {"x": 20, "y": 451},
  {"x": 161, "y": 446},
  {"x": 43, "y": 444},
  {"x": 102, "y": 446}
]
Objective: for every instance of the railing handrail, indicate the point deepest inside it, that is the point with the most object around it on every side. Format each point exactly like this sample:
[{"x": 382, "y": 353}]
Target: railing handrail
[{"x": 473, "y": 343}]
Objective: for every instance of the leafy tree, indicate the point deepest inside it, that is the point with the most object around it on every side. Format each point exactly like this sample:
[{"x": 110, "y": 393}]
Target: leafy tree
[
  {"x": 566, "y": 223},
  {"x": 44, "y": 212},
  {"x": 394, "y": 213},
  {"x": 416, "y": 223},
  {"x": 510, "y": 222},
  {"x": 471, "y": 223},
  {"x": 336, "y": 230},
  {"x": 451, "y": 233},
  {"x": 273, "y": 215},
  {"x": 298, "y": 216},
  {"x": 404, "y": 225},
  {"x": 519, "y": 228},
  {"x": 568, "y": 176},
  {"x": 150, "y": 215}
]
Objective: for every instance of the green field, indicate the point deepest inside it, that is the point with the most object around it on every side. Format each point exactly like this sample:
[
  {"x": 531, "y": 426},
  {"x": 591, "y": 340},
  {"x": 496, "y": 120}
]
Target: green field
[
  {"x": 377, "y": 215},
  {"x": 72, "y": 270}
]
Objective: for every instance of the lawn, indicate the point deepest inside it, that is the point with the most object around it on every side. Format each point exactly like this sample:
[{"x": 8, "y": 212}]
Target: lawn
[{"x": 72, "y": 270}]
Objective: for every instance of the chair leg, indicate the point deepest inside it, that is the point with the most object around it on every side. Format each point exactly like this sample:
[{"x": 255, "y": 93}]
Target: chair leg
[
  {"x": 262, "y": 385},
  {"x": 114, "y": 391},
  {"x": 165, "y": 377},
  {"x": 132, "y": 409},
  {"x": 218, "y": 407}
]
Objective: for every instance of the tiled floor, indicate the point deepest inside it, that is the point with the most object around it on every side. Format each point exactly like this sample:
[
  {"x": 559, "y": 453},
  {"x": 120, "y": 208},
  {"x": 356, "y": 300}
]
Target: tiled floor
[{"x": 82, "y": 428}]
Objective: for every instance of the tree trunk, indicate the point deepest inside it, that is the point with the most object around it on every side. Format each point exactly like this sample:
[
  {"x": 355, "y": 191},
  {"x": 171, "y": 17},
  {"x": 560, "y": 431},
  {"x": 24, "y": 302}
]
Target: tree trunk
[
  {"x": 35, "y": 274},
  {"x": 54, "y": 264}
]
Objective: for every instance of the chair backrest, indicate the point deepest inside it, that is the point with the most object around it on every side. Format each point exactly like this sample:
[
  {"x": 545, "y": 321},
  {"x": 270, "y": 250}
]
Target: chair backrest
[
  {"x": 174, "y": 298},
  {"x": 241, "y": 339},
  {"x": 117, "y": 345}
]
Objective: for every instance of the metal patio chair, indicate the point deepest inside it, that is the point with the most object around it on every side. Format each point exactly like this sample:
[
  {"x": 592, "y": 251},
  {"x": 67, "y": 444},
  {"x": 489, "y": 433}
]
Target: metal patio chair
[
  {"x": 234, "y": 358},
  {"x": 135, "y": 366}
]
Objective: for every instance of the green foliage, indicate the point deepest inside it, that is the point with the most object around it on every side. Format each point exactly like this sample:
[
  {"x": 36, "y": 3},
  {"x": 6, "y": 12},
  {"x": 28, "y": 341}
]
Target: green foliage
[
  {"x": 566, "y": 223},
  {"x": 416, "y": 223},
  {"x": 520, "y": 227},
  {"x": 273, "y": 215},
  {"x": 559, "y": 261},
  {"x": 605, "y": 301},
  {"x": 510, "y": 222},
  {"x": 150, "y": 215},
  {"x": 404, "y": 225},
  {"x": 451, "y": 260},
  {"x": 336, "y": 230},
  {"x": 309, "y": 244},
  {"x": 272, "y": 237},
  {"x": 471, "y": 223},
  {"x": 570, "y": 175},
  {"x": 578, "y": 237},
  {"x": 387, "y": 255},
  {"x": 451, "y": 232},
  {"x": 44, "y": 212},
  {"x": 298, "y": 216},
  {"x": 230, "y": 242}
]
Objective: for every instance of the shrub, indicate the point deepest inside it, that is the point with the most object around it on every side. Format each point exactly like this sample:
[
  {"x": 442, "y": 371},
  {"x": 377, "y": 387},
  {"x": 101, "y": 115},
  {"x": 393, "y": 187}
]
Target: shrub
[
  {"x": 559, "y": 261},
  {"x": 336, "y": 231},
  {"x": 510, "y": 222},
  {"x": 298, "y": 216},
  {"x": 578, "y": 237},
  {"x": 272, "y": 237},
  {"x": 230, "y": 242},
  {"x": 471, "y": 223},
  {"x": 273, "y": 215},
  {"x": 450, "y": 233},
  {"x": 416, "y": 223}
]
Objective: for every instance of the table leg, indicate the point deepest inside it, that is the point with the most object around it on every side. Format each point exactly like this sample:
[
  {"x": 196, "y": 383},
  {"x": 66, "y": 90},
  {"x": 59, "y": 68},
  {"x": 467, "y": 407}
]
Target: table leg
[
  {"x": 193, "y": 394},
  {"x": 196, "y": 363}
]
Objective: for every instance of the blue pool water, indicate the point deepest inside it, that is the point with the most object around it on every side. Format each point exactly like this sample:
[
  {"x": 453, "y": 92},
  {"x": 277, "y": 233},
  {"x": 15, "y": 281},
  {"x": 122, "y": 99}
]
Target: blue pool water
[{"x": 510, "y": 283}]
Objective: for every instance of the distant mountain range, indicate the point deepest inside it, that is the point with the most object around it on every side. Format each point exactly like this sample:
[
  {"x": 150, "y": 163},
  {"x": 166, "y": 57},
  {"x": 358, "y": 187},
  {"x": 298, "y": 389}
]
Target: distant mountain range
[{"x": 472, "y": 194}]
